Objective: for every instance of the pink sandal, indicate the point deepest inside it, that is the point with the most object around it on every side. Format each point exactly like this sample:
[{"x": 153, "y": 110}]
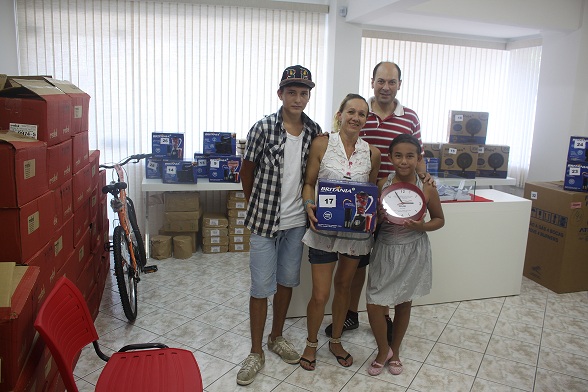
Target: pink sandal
[
  {"x": 395, "y": 367},
  {"x": 376, "y": 368}
]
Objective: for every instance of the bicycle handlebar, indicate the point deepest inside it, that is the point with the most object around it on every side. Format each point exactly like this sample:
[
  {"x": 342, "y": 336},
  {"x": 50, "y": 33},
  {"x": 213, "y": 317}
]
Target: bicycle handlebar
[{"x": 136, "y": 158}]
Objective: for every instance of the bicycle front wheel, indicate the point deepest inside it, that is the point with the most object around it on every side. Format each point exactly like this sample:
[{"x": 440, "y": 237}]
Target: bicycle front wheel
[{"x": 125, "y": 273}]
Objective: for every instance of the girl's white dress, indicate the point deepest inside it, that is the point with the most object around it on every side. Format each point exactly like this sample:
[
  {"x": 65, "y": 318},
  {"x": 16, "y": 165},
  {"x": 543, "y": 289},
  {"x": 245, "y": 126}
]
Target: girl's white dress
[
  {"x": 400, "y": 264},
  {"x": 335, "y": 165}
]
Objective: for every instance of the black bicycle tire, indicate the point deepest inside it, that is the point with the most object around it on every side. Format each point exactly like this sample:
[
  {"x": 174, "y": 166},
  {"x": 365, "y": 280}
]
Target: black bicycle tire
[
  {"x": 140, "y": 246},
  {"x": 124, "y": 275}
]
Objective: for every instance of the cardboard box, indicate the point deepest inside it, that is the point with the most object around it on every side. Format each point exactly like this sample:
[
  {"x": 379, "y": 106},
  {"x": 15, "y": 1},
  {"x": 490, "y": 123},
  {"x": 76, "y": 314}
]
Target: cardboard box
[
  {"x": 236, "y": 213},
  {"x": 238, "y": 230},
  {"x": 236, "y": 221},
  {"x": 161, "y": 247},
  {"x": 80, "y": 104},
  {"x": 59, "y": 164},
  {"x": 37, "y": 109},
  {"x": 239, "y": 247},
  {"x": 81, "y": 183},
  {"x": 346, "y": 205},
  {"x": 493, "y": 161},
  {"x": 576, "y": 177},
  {"x": 239, "y": 239},
  {"x": 239, "y": 204},
  {"x": 181, "y": 221},
  {"x": 153, "y": 168},
  {"x": 558, "y": 237},
  {"x": 182, "y": 247},
  {"x": 467, "y": 127},
  {"x": 578, "y": 149},
  {"x": 24, "y": 171},
  {"x": 192, "y": 234},
  {"x": 202, "y": 161},
  {"x": 181, "y": 201},
  {"x": 66, "y": 196},
  {"x": 219, "y": 143},
  {"x": 215, "y": 248},
  {"x": 179, "y": 172},
  {"x": 80, "y": 151},
  {"x": 215, "y": 240},
  {"x": 25, "y": 230},
  {"x": 101, "y": 184},
  {"x": 18, "y": 309},
  {"x": 214, "y": 219},
  {"x": 167, "y": 145},
  {"x": 224, "y": 169},
  {"x": 432, "y": 150},
  {"x": 215, "y": 231},
  {"x": 94, "y": 161},
  {"x": 459, "y": 160},
  {"x": 236, "y": 195}
]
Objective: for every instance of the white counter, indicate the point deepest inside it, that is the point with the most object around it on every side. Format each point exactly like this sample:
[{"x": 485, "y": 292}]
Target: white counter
[{"x": 479, "y": 253}]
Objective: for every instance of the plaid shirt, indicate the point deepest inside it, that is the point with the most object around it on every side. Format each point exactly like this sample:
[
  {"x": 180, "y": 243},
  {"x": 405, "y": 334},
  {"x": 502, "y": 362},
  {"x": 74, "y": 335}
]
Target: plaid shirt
[{"x": 265, "y": 147}]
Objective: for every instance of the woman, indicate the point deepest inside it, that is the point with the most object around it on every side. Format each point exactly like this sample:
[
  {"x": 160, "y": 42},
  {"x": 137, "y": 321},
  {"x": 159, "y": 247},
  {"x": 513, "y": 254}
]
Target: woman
[{"x": 342, "y": 155}]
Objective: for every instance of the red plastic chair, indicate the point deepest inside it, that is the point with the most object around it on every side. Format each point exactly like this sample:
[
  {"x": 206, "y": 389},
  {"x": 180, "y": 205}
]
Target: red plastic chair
[{"x": 66, "y": 326}]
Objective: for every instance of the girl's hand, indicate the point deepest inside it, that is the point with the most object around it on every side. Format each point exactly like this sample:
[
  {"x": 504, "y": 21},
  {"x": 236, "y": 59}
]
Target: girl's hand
[
  {"x": 310, "y": 211},
  {"x": 416, "y": 225}
]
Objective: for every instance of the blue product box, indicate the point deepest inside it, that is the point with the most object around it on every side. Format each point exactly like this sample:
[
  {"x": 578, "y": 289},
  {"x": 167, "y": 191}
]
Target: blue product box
[
  {"x": 346, "y": 205},
  {"x": 432, "y": 165},
  {"x": 179, "y": 172},
  {"x": 576, "y": 177},
  {"x": 578, "y": 150},
  {"x": 224, "y": 168},
  {"x": 153, "y": 167},
  {"x": 203, "y": 163},
  {"x": 219, "y": 143},
  {"x": 167, "y": 145}
]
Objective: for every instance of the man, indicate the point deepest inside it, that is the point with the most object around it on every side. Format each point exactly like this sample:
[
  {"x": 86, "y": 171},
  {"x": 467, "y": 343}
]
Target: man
[
  {"x": 272, "y": 176},
  {"x": 386, "y": 120}
]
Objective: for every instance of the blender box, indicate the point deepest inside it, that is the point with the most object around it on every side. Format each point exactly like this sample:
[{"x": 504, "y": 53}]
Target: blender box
[
  {"x": 493, "y": 161},
  {"x": 576, "y": 178},
  {"x": 153, "y": 167},
  {"x": 167, "y": 145},
  {"x": 219, "y": 143},
  {"x": 224, "y": 168},
  {"x": 179, "y": 172},
  {"x": 346, "y": 205},
  {"x": 578, "y": 150},
  {"x": 467, "y": 127},
  {"x": 203, "y": 162}
]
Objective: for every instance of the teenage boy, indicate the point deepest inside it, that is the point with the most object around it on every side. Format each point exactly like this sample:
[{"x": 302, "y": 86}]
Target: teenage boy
[{"x": 272, "y": 177}]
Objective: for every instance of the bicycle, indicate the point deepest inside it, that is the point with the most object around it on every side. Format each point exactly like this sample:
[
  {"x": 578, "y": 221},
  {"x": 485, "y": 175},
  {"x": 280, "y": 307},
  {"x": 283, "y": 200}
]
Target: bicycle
[{"x": 127, "y": 243}]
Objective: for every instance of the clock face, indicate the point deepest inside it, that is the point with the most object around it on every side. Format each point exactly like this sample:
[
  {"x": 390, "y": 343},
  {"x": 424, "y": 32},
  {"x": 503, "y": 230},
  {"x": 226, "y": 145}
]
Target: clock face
[{"x": 402, "y": 201}]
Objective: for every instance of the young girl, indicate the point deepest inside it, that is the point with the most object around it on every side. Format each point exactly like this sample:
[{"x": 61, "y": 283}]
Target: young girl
[{"x": 400, "y": 262}]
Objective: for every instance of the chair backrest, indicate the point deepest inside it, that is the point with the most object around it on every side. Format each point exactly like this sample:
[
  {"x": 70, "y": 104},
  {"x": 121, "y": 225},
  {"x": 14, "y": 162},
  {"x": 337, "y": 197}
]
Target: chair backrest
[{"x": 66, "y": 326}]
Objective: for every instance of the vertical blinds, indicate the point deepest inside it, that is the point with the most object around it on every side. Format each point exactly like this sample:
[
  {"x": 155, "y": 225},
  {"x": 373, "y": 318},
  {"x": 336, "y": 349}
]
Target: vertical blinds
[{"x": 438, "y": 78}]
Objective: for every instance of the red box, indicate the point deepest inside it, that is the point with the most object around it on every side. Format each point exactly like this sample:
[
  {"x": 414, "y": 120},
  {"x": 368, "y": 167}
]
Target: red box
[
  {"x": 81, "y": 222},
  {"x": 16, "y": 324},
  {"x": 63, "y": 244},
  {"x": 82, "y": 250},
  {"x": 95, "y": 164},
  {"x": 94, "y": 203},
  {"x": 80, "y": 151},
  {"x": 45, "y": 260},
  {"x": 101, "y": 184},
  {"x": 81, "y": 183},
  {"x": 86, "y": 280},
  {"x": 37, "y": 109},
  {"x": 66, "y": 195},
  {"x": 59, "y": 163},
  {"x": 24, "y": 172},
  {"x": 25, "y": 230},
  {"x": 80, "y": 102}
]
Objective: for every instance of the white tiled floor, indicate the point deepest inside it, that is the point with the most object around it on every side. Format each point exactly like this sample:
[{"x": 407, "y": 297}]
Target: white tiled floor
[{"x": 537, "y": 341}]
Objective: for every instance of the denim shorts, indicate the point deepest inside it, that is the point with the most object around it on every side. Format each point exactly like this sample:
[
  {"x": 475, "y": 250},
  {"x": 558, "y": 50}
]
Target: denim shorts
[
  {"x": 317, "y": 256},
  {"x": 275, "y": 260}
]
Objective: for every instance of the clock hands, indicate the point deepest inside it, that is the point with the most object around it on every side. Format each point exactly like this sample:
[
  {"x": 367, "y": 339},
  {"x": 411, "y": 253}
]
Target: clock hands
[{"x": 402, "y": 202}]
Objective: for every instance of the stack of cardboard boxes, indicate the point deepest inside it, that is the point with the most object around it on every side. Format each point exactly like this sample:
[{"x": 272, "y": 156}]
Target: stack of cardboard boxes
[
  {"x": 54, "y": 220},
  {"x": 215, "y": 235},
  {"x": 236, "y": 211},
  {"x": 181, "y": 219}
]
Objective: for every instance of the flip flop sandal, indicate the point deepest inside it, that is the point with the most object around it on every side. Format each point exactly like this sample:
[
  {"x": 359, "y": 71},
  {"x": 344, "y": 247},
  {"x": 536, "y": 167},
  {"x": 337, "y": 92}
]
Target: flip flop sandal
[
  {"x": 311, "y": 365},
  {"x": 338, "y": 357}
]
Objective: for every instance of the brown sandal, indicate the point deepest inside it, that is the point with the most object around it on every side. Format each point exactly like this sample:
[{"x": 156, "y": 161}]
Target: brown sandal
[{"x": 311, "y": 364}]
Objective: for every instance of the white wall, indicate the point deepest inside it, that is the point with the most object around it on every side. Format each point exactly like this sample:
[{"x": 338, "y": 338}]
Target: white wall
[{"x": 8, "y": 48}]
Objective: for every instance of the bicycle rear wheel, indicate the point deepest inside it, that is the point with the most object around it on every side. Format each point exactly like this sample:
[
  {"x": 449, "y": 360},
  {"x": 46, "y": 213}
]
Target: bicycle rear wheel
[
  {"x": 137, "y": 238},
  {"x": 125, "y": 274}
]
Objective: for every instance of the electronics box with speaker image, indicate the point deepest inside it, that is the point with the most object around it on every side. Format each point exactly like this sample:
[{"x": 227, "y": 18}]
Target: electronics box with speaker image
[
  {"x": 179, "y": 172},
  {"x": 219, "y": 143},
  {"x": 578, "y": 149},
  {"x": 468, "y": 127},
  {"x": 346, "y": 205},
  {"x": 459, "y": 160},
  {"x": 557, "y": 244},
  {"x": 493, "y": 161},
  {"x": 432, "y": 150},
  {"x": 167, "y": 145},
  {"x": 576, "y": 178},
  {"x": 224, "y": 169}
]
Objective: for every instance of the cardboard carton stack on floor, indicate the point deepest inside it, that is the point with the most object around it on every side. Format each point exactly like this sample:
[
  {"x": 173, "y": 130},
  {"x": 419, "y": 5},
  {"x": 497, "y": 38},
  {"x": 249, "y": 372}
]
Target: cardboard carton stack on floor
[
  {"x": 215, "y": 238},
  {"x": 239, "y": 234},
  {"x": 53, "y": 218},
  {"x": 181, "y": 222}
]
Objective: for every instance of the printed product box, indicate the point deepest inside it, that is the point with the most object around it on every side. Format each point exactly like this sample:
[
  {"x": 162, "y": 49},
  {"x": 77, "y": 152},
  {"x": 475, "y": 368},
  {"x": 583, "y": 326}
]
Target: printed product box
[
  {"x": 244, "y": 247},
  {"x": 203, "y": 162},
  {"x": 432, "y": 165},
  {"x": 214, "y": 219},
  {"x": 80, "y": 150},
  {"x": 179, "y": 172},
  {"x": 23, "y": 173},
  {"x": 25, "y": 230},
  {"x": 239, "y": 239},
  {"x": 215, "y": 232},
  {"x": 80, "y": 185},
  {"x": 59, "y": 163},
  {"x": 576, "y": 178},
  {"x": 236, "y": 204},
  {"x": 18, "y": 309},
  {"x": 432, "y": 150},
  {"x": 216, "y": 240},
  {"x": 66, "y": 196},
  {"x": 236, "y": 221},
  {"x": 219, "y": 143},
  {"x": 467, "y": 127},
  {"x": 558, "y": 237},
  {"x": 215, "y": 248},
  {"x": 94, "y": 161},
  {"x": 346, "y": 205},
  {"x": 236, "y": 213},
  {"x": 578, "y": 150},
  {"x": 238, "y": 230},
  {"x": 224, "y": 169},
  {"x": 181, "y": 201},
  {"x": 493, "y": 161},
  {"x": 37, "y": 109},
  {"x": 80, "y": 103},
  {"x": 236, "y": 195},
  {"x": 167, "y": 145},
  {"x": 153, "y": 168},
  {"x": 459, "y": 160}
]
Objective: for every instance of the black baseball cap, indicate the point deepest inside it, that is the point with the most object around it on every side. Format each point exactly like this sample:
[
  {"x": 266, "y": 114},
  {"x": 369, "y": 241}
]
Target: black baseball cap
[{"x": 296, "y": 74}]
